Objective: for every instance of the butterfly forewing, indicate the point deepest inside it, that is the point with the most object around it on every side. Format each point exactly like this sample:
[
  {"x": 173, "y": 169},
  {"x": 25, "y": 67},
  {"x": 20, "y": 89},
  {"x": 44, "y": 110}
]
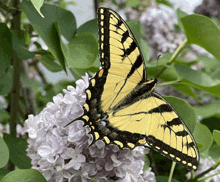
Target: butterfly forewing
[{"x": 120, "y": 57}]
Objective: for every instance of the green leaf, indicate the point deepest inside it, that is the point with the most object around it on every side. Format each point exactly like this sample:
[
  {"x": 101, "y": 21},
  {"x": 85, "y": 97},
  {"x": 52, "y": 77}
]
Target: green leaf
[
  {"x": 198, "y": 79},
  {"x": 142, "y": 32},
  {"x": 46, "y": 29},
  {"x": 4, "y": 115},
  {"x": 82, "y": 51},
  {"x": 27, "y": 38},
  {"x": 180, "y": 14},
  {"x": 3, "y": 172},
  {"x": 49, "y": 62},
  {"x": 212, "y": 90},
  {"x": 63, "y": 3},
  {"x": 5, "y": 48},
  {"x": 145, "y": 50},
  {"x": 133, "y": 3},
  {"x": 208, "y": 110},
  {"x": 43, "y": 99},
  {"x": 203, "y": 136},
  {"x": 24, "y": 175},
  {"x": 216, "y": 136},
  {"x": 213, "y": 123},
  {"x": 214, "y": 152},
  {"x": 146, "y": 163},
  {"x": 90, "y": 26},
  {"x": 37, "y": 5},
  {"x": 31, "y": 84},
  {"x": 185, "y": 111},
  {"x": 81, "y": 47},
  {"x": 96, "y": 64},
  {"x": 182, "y": 61},
  {"x": 6, "y": 82},
  {"x": 18, "y": 43},
  {"x": 67, "y": 24},
  {"x": 58, "y": 87},
  {"x": 169, "y": 74},
  {"x": 186, "y": 90},
  {"x": 17, "y": 149},
  {"x": 165, "y": 2},
  {"x": 154, "y": 67},
  {"x": 210, "y": 64},
  {"x": 77, "y": 72},
  {"x": 216, "y": 74},
  {"x": 4, "y": 153},
  {"x": 135, "y": 29},
  {"x": 202, "y": 31}
]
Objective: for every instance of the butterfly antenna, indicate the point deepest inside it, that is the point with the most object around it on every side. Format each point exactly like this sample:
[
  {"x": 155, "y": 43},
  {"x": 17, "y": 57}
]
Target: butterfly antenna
[{"x": 157, "y": 65}]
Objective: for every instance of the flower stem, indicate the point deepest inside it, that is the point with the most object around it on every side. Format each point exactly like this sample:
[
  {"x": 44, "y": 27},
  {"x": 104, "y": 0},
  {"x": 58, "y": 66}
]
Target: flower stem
[
  {"x": 198, "y": 178},
  {"x": 171, "y": 171},
  {"x": 173, "y": 57},
  {"x": 206, "y": 177}
]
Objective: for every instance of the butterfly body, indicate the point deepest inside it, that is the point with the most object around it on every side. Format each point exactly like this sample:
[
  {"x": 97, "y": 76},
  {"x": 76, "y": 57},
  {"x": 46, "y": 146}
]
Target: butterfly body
[{"x": 122, "y": 107}]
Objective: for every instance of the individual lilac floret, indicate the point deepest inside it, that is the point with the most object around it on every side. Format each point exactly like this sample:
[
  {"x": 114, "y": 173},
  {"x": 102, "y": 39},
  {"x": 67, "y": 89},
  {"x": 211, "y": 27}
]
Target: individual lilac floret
[{"x": 62, "y": 153}]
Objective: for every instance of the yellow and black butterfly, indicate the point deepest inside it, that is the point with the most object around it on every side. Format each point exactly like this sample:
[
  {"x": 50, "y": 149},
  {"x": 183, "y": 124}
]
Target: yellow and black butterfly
[{"x": 121, "y": 106}]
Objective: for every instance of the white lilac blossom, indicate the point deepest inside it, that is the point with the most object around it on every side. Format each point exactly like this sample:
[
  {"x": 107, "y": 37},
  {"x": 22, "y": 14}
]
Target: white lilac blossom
[
  {"x": 204, "y": 165},
  {"x": 63, "y": 153}
]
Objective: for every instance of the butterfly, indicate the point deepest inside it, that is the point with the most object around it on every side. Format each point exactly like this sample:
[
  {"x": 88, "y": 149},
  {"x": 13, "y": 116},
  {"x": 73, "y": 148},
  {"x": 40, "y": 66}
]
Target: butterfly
[{"x": 122, "y": 107}]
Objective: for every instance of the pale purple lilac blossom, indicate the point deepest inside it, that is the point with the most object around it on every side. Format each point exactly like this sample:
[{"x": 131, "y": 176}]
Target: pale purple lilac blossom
[
  {"x": 62, "y": 153},
  {"x": 162, "y": 36},
  {"x": 159, "y": 26}
]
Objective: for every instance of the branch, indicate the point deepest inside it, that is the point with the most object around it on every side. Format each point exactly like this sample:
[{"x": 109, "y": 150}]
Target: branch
[
  {"x": 28, "y": 94},
  {"x": 7, "y": 8},
  {"x": 15, "y": 90}
]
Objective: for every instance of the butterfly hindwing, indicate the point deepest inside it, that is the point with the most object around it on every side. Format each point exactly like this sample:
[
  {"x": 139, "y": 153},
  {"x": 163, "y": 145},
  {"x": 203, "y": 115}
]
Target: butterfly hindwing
[
  {"x": 168, "y": 134},
  {"x": 121, "y": 106}
]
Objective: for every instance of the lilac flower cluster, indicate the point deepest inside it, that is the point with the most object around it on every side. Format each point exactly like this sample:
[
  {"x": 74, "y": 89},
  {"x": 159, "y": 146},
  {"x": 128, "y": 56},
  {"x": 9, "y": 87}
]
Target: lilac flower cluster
[
  {"x": 162, "y": 36},
  {"x": 159, "y": 26},
  {"x": 63, "y": 153}
]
